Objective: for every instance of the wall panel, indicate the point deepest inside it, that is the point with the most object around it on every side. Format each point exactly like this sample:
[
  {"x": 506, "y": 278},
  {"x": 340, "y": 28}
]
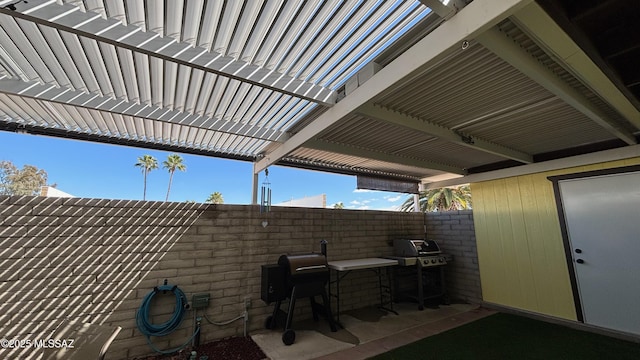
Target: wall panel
[{"x": 520, "y": 251}]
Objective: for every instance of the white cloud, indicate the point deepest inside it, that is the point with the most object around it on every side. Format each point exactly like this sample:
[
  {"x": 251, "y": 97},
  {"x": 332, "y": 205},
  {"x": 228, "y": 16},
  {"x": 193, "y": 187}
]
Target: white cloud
[
  {"x": 362, "y": 190},
  {"x": 394, "y": 199}
]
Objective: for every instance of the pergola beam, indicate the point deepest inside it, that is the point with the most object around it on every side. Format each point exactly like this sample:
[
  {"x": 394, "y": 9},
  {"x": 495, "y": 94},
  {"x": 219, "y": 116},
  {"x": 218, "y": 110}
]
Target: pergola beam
[
  {"x": 387, "y": 115},
  {"x": 88, "y": 24},
  {"x": 63, "y": 96},
  {"x": 470, "y": 22},
  {"x": 380, "y": 156},
  {"x": 549, "y": 35},
  {"x": 509, "y": 51}
]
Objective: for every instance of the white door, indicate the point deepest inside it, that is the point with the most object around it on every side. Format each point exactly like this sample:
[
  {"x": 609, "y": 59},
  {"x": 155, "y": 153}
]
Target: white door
[{"x": 603, "y": 223}]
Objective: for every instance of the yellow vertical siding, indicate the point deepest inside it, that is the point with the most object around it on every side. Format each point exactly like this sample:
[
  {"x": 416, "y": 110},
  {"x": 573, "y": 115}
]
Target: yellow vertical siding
[{"x": 520, "y": 250}]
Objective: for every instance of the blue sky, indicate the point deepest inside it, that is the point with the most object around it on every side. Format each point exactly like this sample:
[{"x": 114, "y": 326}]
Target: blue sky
[{"x": 94, "y": 170}]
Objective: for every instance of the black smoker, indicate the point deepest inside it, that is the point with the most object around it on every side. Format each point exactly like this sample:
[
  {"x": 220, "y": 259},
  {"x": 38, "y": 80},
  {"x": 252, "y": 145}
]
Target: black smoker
[{"x": 295, "y": 277}]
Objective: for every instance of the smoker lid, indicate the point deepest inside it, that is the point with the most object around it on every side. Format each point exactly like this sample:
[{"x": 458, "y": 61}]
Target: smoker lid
[{"x": 303, "y": 264}]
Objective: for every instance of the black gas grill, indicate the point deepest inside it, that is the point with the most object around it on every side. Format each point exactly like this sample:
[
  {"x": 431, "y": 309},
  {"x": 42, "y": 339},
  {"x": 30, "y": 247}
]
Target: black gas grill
[
  {"x": 295, "y": 277},
  {"x": 420, "y": 274}
]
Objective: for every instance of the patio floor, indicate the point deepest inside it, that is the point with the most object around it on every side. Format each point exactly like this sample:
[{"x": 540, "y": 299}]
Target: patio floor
[{"x": 367, "y": 332}]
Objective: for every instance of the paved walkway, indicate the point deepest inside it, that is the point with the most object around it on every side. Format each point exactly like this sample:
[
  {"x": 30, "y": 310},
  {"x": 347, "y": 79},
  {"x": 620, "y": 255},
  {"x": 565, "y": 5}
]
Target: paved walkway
[{"x": 366, "y": 336}]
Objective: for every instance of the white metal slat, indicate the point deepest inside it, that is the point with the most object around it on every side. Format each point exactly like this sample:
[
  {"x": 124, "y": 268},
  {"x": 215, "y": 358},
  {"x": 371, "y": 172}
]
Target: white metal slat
[
  {"x": 333, "y": 36},
  {"x": 14, "y": 110},
  {"x": 360, "y": 32},
  {"x": 258, "y": 102},
  {"x": 156, "y": 78},
  {"x": 260, "y": 31},
  {"x": 91, "y": 119},
  {"x": 214, "y": 141},
  {"x": 77, "y": 3},
  {"x": 208, "y": 139},
  {"x": 97, "y": 65},
  {"x": 60, "y": 116},
  {"x": 135, "y": 13},
  {"x": 70, "y": 76},
  {"x": 191, "y": 22},
  {"x": 115, "y": 10},
  {"x": 236, "y": 107},
  {"x": 127, "y": 66},
  {"x": 141, "y": 62},
  {"x": 293, "y": 36},
  {"x": 155, "y": 17},
  {"x": 217, "y": 93},
  {"x": 227, "y": 98},
  {"x": 125, "y": 128},
  {"x": 311, "y": 36},
  {"x": 205, "y": 94},
  {"x": 29, "y": 50},
  {"x": 112, "y": 66},
  {"x": 266, "y": 106},
  {"x": 195, "y": 88},
  {"x": 173, "y": 19},
  {"x": 288, "y": 119},
  {"x": 249, "y": 99},
  {"x": 157, "y": 133},
  {"x": 198, "y": 135},
  {"x": 300, "y": 115},
  {"x": 182, "y": 87},
  {"x": 138, "y": 127},
  {"x": 277, "y": 31},
  {"x": 245, "y": 26},
  {"x": 190, "y": 136},
  {"x": 80, "y": 64},
  {"x": 96, "y": 6},
  {"x": 366, "y": 48},
  {"x": 169, "y": 86},
  {"x": 210, "y": 17},
  {"x": 19, "y": 64},
  {"x": 274, "y": 106},
  {"x": 230, "y": 18},
  {"x": 257, "y": 147},
  {"x": 109, "y": 123}
]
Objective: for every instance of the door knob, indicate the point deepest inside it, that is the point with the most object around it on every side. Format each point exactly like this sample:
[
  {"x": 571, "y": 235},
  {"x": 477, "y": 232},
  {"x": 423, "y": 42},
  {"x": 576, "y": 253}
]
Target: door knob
[
  {"x": 579, "y": 251},
  {"x": 580, "y": 261}
]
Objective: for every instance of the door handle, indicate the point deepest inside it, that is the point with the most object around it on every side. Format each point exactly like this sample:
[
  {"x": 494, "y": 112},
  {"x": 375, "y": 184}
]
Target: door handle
[{"x": 580, "y": 261}]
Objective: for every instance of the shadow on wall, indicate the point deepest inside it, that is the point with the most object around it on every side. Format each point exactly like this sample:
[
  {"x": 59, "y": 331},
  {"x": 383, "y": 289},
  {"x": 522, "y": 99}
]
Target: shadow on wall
[
  {"x": 94, "y": 260},
  {"x": 78, "y": 259}
]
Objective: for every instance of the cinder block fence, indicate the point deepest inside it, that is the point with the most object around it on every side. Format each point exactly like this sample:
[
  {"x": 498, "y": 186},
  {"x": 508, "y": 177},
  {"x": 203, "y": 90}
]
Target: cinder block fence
[{"x": 95, "y": 260}]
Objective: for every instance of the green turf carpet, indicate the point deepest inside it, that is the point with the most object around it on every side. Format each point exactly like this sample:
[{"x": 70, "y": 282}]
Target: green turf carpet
[{"x": 505, "y": 336}]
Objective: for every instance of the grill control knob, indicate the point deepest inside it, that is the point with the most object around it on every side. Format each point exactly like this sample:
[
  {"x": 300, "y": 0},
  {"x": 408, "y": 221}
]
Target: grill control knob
[
  {"x": 441, "y": 260},
  {"x": 433, "y": 261}
]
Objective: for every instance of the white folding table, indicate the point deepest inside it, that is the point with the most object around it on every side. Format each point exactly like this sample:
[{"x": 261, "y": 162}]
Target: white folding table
[{"x": 344, "y": 267}]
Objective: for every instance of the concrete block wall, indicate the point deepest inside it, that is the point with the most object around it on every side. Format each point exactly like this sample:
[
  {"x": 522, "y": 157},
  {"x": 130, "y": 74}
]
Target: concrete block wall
[
  {"x": 455, "y": 233},
  {"x": 95, "y": 260}
]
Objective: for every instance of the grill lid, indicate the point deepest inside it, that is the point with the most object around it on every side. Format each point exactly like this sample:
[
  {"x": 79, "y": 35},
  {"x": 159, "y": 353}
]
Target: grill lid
[{"x": 409, "y": 247}]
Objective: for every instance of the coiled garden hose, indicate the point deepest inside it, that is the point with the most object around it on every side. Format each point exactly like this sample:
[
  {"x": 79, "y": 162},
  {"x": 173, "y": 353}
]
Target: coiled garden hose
[{"x": 148, "y": 329}]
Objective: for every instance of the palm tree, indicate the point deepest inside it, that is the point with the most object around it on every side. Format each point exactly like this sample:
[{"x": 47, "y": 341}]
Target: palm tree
[
  {"x": 146, "y": 163},
  {"x": 339, "y": 205},
  {"x": 442, "y": 199},
  {"x": 215, "y": 198},
  {"x": 173, "y": 163}
]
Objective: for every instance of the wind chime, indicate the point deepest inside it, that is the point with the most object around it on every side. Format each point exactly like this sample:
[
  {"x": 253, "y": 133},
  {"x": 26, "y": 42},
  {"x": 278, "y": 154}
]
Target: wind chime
[{"x": 265, "y": 194}]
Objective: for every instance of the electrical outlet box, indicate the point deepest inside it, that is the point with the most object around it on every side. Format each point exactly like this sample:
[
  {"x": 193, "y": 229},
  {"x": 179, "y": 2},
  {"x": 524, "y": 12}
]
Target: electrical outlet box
[{"x": 200, "y": 301}]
